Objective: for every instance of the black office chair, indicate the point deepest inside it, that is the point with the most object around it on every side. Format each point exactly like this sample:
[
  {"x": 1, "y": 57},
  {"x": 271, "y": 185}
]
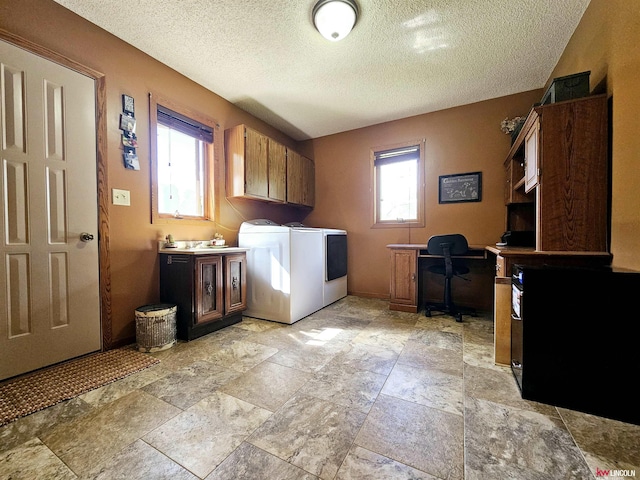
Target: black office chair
[{"x": 448, "y": 246}]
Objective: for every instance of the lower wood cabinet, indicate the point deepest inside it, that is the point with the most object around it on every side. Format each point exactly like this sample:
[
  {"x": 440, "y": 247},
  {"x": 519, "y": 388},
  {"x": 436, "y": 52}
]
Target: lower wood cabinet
[
  {"x": 404, "y": 280},
  {"x": 209, "y": 290}
]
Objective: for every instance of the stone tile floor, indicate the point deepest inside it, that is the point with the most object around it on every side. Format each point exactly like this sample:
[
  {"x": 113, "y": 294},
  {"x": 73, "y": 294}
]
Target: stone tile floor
[{"x": 353, "y": 391}]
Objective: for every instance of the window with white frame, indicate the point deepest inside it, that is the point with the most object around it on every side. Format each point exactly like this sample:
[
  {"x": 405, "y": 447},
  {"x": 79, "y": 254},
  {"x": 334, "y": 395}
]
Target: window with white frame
[
  {"x": 398, "y": 185},
  {"x": 182, "y": 155}
]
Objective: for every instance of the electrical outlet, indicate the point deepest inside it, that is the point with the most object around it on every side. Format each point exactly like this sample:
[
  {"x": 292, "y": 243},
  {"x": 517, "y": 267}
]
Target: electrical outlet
[{"x": 121, "y": 197}]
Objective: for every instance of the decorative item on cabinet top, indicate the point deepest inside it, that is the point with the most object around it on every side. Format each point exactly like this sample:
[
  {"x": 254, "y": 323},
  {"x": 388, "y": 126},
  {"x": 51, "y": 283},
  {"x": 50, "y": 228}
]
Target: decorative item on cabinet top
[
  {"x": 567, "y": 88},
  {"x": 260, "y": 168},
  {"x": 512, "y": 126}
]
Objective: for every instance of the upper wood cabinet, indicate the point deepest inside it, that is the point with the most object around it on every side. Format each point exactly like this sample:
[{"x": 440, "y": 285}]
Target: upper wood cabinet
[
  {"x": 300, "y": 179},
  {"x": 255, "y": 165},
  {"x": 561, "y": 154},
  {"x": 261, "y": 168}
]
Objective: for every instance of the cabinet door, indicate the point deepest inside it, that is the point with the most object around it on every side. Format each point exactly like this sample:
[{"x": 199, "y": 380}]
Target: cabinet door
[
  {"x": 256, "y": 175},
  {"x": 508, "y": 186},
  {"x": 501, "y": 267},
  {"x": 404, "y": 281},
  {"x": 235, "y": 283},
  {"x": 209, "y": 292},
  {"x": 572, "y": 198},
  {"x": 308, "y": 182},
  {"x": 277, "y": 163},
  {"x": 531, "y": 158},
  {"x": 246, "y": 157},
  {"x": 502, "y": 320},
  {"x": 300, "y": 179}
]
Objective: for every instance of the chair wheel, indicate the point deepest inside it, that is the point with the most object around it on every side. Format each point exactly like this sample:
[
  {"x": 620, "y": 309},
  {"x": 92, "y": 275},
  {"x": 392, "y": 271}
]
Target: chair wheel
[
  {"x": 427, "y": 312},
  {"x": 458, "y": 317}
]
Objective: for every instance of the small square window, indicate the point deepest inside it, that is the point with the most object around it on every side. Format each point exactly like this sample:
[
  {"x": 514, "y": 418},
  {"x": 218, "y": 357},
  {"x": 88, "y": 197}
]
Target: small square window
[{"x": 398, "y": 185}]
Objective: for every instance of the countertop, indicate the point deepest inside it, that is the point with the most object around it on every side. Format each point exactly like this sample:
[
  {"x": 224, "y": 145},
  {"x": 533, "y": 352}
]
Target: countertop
[
  {"x": 522, "y": 251},
  {"x": 195, "y": 247}
]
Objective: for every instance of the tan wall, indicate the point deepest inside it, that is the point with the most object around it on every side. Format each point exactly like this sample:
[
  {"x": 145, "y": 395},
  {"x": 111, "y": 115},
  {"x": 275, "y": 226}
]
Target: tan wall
[
  {"x": 468, "y": 138},
  {"x": 606, "y": 43},
  {"x": 134, "y": 264},
  {"x": 457, "y": 140}
]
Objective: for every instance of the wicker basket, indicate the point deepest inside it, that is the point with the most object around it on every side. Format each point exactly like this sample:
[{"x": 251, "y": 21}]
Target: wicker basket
[{"x": 156, "y": 327}]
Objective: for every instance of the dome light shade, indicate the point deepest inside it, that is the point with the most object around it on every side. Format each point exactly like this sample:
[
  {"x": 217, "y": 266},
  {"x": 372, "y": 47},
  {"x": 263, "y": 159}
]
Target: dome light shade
[{"x": 334, "y": 19}]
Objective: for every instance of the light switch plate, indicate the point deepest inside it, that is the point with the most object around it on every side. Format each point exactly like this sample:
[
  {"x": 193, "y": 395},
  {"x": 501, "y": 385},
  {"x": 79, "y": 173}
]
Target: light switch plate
[{"x": 121, "y": 197}]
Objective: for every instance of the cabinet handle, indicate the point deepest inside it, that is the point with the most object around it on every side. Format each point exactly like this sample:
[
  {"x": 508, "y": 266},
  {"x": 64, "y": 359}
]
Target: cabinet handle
[
  {"x": 498, "y": 267},
  {"x": 209, "y": 288},
  {"x": 234, "y": 283}
]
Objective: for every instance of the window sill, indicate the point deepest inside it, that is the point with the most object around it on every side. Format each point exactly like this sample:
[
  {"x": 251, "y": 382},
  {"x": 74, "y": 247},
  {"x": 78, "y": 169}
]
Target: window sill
[
  {"x": 182, "y": 221},
  {"x": 407, "y": 224}
]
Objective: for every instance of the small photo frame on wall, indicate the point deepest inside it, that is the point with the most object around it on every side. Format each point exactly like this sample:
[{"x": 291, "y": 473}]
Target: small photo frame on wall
[
  {"x": 462, "y": 187},
  {"x": 129, "y": 139},
  {"x": 127, "y": 123},
  {"x": 131, "y": 161},
  {"x": 128, "y": 105}
]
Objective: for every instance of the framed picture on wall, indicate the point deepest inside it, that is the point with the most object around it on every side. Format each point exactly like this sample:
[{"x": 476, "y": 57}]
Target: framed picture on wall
[
  {"x": 129, "y": 139},
  {"x": 128, "y": 105},
  {"x": 462, "y": 187},
  {"x": 127, "y": 123},
  {"x": 131, "y": 161}
]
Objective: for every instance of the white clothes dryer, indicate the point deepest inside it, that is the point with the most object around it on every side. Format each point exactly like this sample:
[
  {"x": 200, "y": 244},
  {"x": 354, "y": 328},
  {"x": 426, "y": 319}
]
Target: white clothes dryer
[
  {"x": 334, "y": 243},
  {"x": 334, "y": 262}
]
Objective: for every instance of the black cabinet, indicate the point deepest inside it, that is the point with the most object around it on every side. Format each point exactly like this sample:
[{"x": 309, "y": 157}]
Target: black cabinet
[
  {"x": 209, "y": 290},
  {"x": 574, "y": 340}
]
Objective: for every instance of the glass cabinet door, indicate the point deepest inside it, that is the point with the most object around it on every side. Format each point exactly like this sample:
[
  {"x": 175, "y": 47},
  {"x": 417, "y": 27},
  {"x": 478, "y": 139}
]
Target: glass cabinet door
[{"x": 209, "y": 289}]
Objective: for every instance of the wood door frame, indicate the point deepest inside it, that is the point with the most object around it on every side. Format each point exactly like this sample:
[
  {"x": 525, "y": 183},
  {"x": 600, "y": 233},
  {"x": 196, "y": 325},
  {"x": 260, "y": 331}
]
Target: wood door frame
[{"x": 104, "y": 258}]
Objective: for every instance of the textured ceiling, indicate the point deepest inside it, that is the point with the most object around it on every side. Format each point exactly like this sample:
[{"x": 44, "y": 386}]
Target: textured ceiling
[{"x": 403, "y": 57}]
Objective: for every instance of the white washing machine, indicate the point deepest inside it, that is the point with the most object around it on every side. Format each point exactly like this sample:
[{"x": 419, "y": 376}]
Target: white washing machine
[{"x": 284, "y": 270}]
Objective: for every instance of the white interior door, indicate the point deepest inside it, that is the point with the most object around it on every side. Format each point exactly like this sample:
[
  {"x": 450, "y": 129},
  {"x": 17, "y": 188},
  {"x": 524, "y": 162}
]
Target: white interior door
[{"x": 49, "y": 276}]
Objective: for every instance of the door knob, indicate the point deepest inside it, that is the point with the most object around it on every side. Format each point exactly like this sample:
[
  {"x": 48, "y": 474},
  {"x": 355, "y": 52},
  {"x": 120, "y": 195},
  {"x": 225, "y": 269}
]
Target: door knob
[{"x": 86, "y": 237}]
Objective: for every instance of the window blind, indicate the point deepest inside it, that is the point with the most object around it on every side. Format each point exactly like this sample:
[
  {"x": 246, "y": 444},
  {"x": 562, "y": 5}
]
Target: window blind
[
  {"x": 404, "y": 154},
  {"x": 184, "y": 124}
]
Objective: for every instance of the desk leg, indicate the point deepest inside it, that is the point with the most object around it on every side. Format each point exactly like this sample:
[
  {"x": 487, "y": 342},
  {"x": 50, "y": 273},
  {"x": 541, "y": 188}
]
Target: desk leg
[{"x": 502, "y": 321}]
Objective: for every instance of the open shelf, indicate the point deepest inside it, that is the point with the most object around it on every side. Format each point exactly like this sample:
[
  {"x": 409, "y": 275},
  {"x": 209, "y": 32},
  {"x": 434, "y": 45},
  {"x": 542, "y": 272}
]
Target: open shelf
[{"x": 519, "y": 184}]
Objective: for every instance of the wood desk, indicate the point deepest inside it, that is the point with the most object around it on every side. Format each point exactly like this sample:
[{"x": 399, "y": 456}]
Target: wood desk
[
  {"x": 404, "y": 272},
  {"x": 506, "y": 258},
  {"x": 404, "y": 279}
]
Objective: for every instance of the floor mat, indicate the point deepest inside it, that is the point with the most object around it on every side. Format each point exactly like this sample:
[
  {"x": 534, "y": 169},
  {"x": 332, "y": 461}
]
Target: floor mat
[{"x": 46, "y": 387}]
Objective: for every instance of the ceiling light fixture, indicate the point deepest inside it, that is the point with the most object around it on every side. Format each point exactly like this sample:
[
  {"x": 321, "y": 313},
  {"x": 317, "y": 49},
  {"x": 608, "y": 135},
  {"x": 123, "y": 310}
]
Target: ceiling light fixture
[{"x": 334, "y": 19}]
